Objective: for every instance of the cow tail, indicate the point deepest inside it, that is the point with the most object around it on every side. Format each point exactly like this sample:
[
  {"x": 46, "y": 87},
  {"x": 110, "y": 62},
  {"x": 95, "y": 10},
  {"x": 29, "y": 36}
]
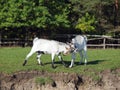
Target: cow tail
[{"x": 35, "y": 39}]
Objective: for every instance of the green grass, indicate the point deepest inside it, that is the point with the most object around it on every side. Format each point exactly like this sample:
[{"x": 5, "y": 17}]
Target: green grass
[
  {"x": 11, "y": 60},
  {"x": 43, "y": 80}
]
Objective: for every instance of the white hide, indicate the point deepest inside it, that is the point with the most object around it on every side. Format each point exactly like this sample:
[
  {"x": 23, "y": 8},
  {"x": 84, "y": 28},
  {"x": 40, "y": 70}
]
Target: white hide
[
  {"x": 79, "y": 43},
  {"x": 48, "y": 47}
]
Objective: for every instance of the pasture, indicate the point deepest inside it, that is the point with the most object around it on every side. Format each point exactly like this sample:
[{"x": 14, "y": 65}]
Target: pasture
[{"x": 12, "y": 58}]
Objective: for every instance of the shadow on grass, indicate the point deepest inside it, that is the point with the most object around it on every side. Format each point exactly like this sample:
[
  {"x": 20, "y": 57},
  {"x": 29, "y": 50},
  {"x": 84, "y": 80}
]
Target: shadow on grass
[
  {"x": 95, "y": 62},
  {"x": 77, "y": 63},
  {"x": 67, "y": 63}
]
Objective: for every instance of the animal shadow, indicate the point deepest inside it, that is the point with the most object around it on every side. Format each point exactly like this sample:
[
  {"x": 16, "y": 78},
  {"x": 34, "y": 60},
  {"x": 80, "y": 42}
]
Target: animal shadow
[
  {"x": 95, "y": 62},
  {"x": 67, "y": 63}
]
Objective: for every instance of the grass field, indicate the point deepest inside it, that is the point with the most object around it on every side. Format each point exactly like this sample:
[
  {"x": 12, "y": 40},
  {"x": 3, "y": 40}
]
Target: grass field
[{"x": 11, "y": 60}]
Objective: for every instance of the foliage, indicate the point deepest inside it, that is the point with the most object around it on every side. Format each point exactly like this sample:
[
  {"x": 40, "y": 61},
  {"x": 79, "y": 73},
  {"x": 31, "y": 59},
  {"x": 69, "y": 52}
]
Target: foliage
[
  {"x": 103, "y": 10},
  {"x": 85, "y": 23},
  {"x": 30, "y": 16},
  {"x": 37, "y": 13}
]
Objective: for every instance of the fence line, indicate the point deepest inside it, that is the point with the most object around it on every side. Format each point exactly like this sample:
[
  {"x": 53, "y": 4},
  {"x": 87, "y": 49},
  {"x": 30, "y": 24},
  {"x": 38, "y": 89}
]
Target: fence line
[
  {"x": 115, "y": 43},
  {"x": 99, "y": 42}
]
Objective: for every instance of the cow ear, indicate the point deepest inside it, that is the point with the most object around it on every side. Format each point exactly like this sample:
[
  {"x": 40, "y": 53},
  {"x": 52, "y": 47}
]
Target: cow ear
[
  {"x": 66, "y": 48},
  {"x": 68, "y": 43}
]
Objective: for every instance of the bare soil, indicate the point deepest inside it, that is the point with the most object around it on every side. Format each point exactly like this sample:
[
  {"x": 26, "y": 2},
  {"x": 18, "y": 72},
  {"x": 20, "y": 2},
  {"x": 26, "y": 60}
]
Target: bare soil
[{"x": 25, "y": 80}]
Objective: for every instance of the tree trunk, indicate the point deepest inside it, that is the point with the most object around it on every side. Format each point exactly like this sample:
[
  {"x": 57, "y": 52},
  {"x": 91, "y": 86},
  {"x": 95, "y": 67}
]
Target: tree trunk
[{"x": 115, "y": 13}]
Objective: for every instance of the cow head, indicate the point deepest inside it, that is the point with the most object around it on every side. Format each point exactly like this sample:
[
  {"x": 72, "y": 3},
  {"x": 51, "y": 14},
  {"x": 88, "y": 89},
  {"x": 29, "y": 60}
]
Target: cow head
[{"x": 69, "y": 49}]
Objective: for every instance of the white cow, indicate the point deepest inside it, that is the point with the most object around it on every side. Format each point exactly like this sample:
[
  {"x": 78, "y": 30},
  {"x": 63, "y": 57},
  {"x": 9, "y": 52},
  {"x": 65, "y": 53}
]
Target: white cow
[
  {"x": 43, "y": 46},
  {"x": 79, "y": 43}
]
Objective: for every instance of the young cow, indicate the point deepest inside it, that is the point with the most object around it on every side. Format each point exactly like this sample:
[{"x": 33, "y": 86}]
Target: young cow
[
  {"x": 43, "y": 46},
  {"x": 79, "y": 43}
]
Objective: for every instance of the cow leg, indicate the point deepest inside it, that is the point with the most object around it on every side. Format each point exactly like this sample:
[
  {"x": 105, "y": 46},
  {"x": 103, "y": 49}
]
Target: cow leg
[
  {"x": 81, "y": 56},
  {"x": 61, "y": 59},
  {"x": 73, "y": 58},
  {"x": 30, "y": 54},
  {"x": 85, "y": 56},
  {"x": 38, "y": 58},
  {"x": 53, "y": 55}
]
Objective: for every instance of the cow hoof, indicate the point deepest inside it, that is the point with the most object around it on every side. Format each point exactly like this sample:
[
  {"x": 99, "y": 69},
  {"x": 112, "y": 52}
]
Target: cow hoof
[
  {"x": 70, "y": 66},
  {"x": 54, "y": 67},
  {"x": 66, "y": 66},
  {"x": 24, "y": 62}
]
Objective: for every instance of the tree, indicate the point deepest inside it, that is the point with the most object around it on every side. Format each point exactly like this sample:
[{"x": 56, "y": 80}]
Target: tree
[
  {"x": 59, "y": 11},
  {"x": 28, "y": 16},
  {"x": 86, "y": 23},
  {"x": 103, "y": 10},
  {"x": 42, "y": 14}
]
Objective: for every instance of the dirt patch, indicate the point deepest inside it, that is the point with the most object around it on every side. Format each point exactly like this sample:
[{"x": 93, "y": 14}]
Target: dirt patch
[{"x": 106, "y": 80}]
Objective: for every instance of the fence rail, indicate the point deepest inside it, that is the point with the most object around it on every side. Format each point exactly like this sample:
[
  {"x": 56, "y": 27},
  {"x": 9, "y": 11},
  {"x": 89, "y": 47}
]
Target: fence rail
[
  {"x": 15, "y": 42},
  {"x": 96, "y": 42},
  {"x": 104, "y": 42}
]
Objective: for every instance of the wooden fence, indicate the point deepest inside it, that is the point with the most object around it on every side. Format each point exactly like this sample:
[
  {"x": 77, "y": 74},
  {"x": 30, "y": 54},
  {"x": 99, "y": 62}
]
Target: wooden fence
[
  {"x": 95, "y": 41},
  {"x": 15, "y": 42},
  {"x": 103, "y": 42}
]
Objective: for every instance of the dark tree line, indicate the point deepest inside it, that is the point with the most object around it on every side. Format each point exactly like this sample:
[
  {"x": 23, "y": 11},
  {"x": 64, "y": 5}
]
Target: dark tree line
[{"x": 28, "y": 18}]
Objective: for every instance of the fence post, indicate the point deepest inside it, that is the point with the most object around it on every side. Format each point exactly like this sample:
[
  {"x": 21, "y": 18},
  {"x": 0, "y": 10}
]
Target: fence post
[{"x": 104, "y": 40}]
